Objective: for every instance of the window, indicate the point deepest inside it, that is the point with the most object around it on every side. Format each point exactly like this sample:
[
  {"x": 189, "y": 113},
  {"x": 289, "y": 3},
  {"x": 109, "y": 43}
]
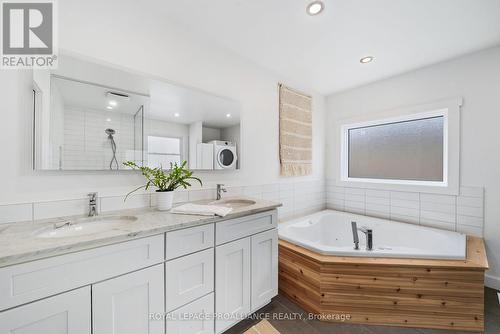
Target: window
[
  {"x": 163, "y": 150},
  {"x": 410, "y": 150}
]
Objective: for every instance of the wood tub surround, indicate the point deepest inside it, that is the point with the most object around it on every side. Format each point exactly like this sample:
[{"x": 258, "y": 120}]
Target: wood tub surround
[{"x": 440, "y": 294}]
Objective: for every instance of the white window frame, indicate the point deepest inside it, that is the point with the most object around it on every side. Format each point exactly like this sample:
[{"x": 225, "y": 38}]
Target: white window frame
[{"x": 448, "y": 109}]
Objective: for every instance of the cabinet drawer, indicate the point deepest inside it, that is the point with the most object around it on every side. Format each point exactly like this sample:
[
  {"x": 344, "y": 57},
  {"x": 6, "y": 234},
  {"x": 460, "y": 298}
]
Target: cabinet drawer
[
  {"x": 241, "y": 227},
  {"x": 188, "y": 278},
  {"x": 30, "y": 281},
  {"x": 178, "y": 323},
  {"x": 189, "y": 240}
]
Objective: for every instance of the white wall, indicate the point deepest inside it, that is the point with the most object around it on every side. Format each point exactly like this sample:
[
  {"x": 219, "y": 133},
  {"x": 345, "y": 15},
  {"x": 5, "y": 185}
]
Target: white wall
[
  {"x": 476, "y": 78},
  {"x": 147, "y": 43}
]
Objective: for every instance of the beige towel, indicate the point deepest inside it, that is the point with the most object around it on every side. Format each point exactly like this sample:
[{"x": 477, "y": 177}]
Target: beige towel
[
  {"x": 202, "y": 210},
  {"x": 295, "y": 132}
]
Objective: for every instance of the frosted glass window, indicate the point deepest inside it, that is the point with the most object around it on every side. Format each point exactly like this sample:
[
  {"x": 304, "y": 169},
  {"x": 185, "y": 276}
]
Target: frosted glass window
[
  {"x": 408, "y": 150},
  {"x": 163, "y": 150}
]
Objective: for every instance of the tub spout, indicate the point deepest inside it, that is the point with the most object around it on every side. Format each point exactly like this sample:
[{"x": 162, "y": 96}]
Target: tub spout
[
  {"x": 369, "y": 237},
  {"x": 368, "y": 233}
]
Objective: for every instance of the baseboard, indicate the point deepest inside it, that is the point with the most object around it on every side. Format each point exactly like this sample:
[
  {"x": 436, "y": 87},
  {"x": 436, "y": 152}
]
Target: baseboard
[{"x": 492, "y": 282}]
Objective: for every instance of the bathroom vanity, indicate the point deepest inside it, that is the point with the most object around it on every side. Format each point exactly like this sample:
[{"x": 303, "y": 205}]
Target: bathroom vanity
[{"x": 156, "y": 274}]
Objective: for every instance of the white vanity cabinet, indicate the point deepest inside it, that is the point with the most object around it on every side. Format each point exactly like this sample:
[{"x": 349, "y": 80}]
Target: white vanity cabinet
[
  {"x": 122, "y": 305},
  {"x": 246, "y": 269},
  {"x": 67, "y": 313},
  {"x": 170, "y": 283}
]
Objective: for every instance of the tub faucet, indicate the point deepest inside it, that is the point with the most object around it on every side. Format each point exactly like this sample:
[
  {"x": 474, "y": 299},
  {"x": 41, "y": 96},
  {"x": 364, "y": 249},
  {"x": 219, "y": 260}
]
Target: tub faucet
[
  {"x": 92, "y": 204},
  {"x": 368, "y": 233},
  {"x": 220, "y": 189}
]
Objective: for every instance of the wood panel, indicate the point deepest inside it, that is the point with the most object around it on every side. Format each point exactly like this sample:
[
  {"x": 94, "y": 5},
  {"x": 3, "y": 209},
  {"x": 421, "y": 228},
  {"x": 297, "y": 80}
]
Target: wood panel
[{"x": 440, "y": 294}]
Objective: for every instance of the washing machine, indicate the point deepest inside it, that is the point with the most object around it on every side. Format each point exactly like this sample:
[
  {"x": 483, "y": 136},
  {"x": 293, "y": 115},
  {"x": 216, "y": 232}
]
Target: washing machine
[{"x": 224, "y": 154}]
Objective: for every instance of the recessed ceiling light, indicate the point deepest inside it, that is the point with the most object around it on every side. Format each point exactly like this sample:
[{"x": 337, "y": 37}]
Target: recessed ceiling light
[
  {"x": 314, "y": 8},
  {"x": 176, "y": 114},
  {"x": 228, "y": 115},
  {"x": 108, "y": 120},
  {"x": 366, "y": 60},
  {"x": 112, "y": 103},
  {"x": 109, "y": 107}
]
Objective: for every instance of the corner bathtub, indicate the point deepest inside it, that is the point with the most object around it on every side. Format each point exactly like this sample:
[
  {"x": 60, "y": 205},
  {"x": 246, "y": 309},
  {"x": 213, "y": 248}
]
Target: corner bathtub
[{"x": 329, "y": 232}]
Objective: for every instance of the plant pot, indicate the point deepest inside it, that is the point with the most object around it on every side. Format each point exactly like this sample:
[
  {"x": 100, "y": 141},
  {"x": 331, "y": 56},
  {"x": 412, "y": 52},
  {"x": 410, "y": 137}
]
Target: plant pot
[{"x": 164, "y": 200}]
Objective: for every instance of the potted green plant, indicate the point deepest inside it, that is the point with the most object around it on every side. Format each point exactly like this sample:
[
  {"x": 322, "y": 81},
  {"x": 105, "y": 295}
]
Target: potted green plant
[{"x": 166, "y": 182}]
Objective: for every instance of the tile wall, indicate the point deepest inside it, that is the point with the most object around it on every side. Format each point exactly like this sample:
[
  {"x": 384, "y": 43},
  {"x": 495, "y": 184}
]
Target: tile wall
[
  {"x": 298, "y": 198},
  {"x": 462, "y": 213}
]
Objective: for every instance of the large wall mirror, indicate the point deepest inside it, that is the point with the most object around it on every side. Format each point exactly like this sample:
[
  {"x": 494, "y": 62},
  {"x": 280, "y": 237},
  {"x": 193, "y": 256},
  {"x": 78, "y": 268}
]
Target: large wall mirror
[{"x": 90, "y": 116}]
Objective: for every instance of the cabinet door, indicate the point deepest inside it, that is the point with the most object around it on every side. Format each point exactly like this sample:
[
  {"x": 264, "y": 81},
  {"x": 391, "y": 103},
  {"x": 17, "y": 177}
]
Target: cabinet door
[
  {"x": 201, "y": 321},
  {"x": 188, "y": 278},
  {"x": 123, "y": 305},
  {"x": 232, "y": 282},
  {"x": 264, "y": 268},
  {"x": 67, "y": 313}
]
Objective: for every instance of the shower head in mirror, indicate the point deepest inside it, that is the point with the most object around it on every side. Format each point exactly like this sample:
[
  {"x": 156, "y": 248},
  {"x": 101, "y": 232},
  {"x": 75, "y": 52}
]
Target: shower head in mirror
[{"x": 110, "y": 132}]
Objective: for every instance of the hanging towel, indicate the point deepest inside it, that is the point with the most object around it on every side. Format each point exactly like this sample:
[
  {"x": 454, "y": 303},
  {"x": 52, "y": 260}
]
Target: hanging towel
[
  {"x": 202, "y": 210},
  {"x": 295, "y": 111}
]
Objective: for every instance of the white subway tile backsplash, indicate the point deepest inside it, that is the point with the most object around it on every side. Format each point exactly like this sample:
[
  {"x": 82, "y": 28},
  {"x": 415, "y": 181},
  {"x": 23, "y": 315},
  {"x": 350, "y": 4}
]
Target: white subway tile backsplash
[
  {"x": 472, "y": 191},
  {"x": 119, "y": 203},
  {"x": 378, "y": 193},
  {"x": 378, "y": 200},
  {"x": 470, "y": 221},
  {"x": 449, "y": 218},
  {"x": 383, "y": 209},
  {"x": 407, "y": 204},
  {"x": 355, "y": 191},
  {"x": 202, "y": 194},
  {"x": 477, "y": 202},
  {"x": 16, "y": 213},
  {"x": 437, "y": 207},
  {"x": 470, "y": 211},
  {"x": 438, "y": 199},
  {"x": 406, "y": 212},
  {"x": 44, "y": 210},
  {"x": 403, "y": 195},
  {"x": 354, "y": 198}
]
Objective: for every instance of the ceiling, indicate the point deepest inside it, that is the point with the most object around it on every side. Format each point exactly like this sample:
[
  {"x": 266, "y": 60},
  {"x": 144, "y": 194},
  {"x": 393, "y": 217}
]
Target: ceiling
[{"x": 323, "y": 52}]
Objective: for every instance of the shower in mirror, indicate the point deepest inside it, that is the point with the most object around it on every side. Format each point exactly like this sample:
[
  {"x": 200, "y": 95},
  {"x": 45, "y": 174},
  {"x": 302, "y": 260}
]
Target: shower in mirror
[
  {"x": 110, "y": 133},
  {"x": 93, "y": 116}
]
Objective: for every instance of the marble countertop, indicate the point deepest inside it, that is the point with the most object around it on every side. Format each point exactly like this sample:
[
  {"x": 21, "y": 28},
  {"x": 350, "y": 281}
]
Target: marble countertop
[{"x": 19, "y": 241}]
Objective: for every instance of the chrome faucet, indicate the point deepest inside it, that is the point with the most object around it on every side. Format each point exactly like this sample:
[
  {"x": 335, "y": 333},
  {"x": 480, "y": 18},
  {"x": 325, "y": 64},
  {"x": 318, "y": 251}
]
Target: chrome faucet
[
  {"x": 220, "y": 189},
  {"x": 92, "y": 204},
  {"x": 368, "y": 234}
]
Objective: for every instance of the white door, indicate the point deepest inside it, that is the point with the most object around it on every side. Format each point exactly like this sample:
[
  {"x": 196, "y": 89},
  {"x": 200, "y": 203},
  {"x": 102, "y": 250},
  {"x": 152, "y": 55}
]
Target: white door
[
  {"x": 123, "y": 305},
  {"x": 193, "y": 318},
  {"x": 264, "y": 268},
  {"x": 67, "y": 313},
  {"x": 232, "y": 282}
]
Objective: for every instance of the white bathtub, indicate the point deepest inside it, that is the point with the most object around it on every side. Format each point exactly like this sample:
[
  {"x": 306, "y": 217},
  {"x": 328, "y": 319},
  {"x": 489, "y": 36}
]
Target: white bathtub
[{"x": 329, "y": 232}]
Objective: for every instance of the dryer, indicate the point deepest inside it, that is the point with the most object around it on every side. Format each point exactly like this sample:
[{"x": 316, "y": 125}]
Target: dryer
[{"x": 225, "y": 156}]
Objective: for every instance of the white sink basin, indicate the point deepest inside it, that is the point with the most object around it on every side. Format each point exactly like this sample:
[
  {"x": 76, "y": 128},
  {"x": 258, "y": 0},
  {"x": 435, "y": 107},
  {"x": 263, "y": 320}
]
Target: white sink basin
[
  {"x": 233, "y": 203},
  {"x": 83, "y": 227}
]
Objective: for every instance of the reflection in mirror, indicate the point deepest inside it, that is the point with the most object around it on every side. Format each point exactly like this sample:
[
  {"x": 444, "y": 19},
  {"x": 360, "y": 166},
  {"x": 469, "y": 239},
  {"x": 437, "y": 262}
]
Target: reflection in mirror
[{"x": 90, "y": 116}]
